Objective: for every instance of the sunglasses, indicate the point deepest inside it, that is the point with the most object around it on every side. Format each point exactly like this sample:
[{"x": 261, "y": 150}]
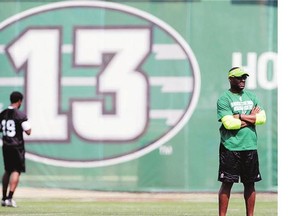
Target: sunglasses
[{"x": 241, "y": 78}]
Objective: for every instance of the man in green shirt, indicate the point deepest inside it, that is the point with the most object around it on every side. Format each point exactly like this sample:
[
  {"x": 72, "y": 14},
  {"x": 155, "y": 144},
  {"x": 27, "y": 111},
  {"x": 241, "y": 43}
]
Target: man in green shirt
[{"x": 239, "y": 111}]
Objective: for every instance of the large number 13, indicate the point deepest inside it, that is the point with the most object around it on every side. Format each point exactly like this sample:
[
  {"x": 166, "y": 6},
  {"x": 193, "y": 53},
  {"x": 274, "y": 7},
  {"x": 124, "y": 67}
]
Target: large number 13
[{"x": 39, "y": 50}]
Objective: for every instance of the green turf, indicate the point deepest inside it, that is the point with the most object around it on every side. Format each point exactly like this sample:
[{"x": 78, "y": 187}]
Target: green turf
[{"x": 179, "y": 208}]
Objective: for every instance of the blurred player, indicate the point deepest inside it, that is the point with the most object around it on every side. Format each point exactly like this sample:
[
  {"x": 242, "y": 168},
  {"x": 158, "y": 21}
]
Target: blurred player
[
  {"x": 12, "y": 124},
  {"x": 239, "y": 112}
]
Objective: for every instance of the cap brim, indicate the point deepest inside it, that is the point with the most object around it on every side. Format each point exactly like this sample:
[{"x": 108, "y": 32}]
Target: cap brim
[{"x": 237, "y": 73}]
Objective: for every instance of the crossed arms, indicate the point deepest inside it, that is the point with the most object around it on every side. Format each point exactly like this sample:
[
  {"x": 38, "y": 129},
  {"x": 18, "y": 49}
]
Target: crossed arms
[{"x": 237, "y": 121}]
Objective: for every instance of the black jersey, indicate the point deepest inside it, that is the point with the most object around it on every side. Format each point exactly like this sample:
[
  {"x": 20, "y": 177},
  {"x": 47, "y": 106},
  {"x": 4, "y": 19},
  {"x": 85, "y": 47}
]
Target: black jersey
[{"x": 11, "y": 127}]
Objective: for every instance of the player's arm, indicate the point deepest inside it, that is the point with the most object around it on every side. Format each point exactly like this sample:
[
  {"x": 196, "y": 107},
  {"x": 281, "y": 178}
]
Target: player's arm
[
  {"x": 246, "y": 120},
  {"x": 256, "y": 117},
  {"x": 231, "y": 123},
  {"x": 260, "y": 118},
  {"x": 28, "y": 132}
]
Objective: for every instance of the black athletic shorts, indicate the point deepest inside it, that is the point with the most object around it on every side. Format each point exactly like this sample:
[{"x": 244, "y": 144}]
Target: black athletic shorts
[
  {"x": 14, "y": 159},
  {"x": 235, "y": 164}
]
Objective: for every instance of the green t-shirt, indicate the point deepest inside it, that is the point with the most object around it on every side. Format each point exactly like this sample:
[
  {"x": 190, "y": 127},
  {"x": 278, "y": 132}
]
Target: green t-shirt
[{"x": 229, "y": 104}]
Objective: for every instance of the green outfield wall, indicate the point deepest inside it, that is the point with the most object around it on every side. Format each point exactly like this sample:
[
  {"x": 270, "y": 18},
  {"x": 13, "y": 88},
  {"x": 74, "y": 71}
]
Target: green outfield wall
[{"x": 122, "y": 95}]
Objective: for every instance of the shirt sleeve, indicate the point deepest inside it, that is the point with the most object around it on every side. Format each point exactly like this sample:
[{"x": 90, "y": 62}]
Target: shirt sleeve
[{"x": 223, "y": 108}]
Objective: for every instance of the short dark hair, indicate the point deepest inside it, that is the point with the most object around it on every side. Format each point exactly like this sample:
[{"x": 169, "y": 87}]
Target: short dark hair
[
  {"x": 16, "y": 96},
  {"x": 233, "y": 68}
]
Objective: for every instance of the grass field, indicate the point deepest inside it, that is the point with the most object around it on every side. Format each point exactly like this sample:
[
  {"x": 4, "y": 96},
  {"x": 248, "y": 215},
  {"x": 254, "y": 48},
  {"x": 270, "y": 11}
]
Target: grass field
[{"x": 132, "y": 204}]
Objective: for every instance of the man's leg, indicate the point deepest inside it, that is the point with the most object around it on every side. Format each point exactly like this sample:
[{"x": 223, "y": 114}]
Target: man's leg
[
  {"x": 250, "y": 197},
  {"x": 224, "y": 196},
  {"x": 5, "y": 183},
  {"x": 14, "y": 180}
]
